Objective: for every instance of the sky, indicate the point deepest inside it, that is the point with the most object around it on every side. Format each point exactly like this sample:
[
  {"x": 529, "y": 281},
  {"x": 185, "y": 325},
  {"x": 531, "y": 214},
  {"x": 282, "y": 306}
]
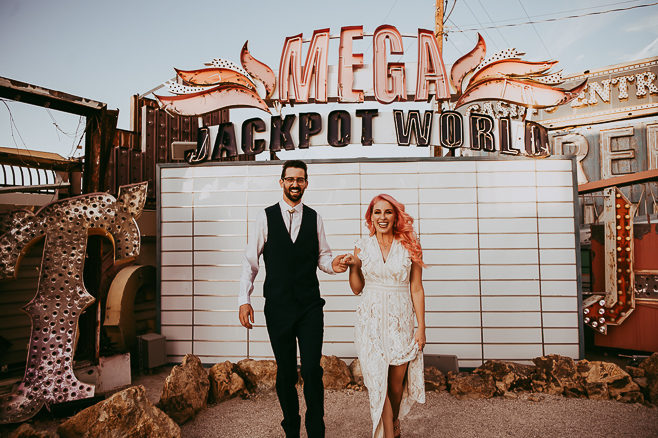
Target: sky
[{"x": 109, "y": 51}]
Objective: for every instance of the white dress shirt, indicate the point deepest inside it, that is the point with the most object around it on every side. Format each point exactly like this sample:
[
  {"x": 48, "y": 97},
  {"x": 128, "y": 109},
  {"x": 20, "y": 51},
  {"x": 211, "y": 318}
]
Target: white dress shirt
[{"x": 257, "y": 241}]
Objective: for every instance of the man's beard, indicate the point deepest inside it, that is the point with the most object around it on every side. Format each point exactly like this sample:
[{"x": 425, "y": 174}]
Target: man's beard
[{"x": 294, "y": 197}]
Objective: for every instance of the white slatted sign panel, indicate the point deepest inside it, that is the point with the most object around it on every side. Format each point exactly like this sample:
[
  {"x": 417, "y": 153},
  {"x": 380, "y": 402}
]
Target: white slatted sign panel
[{"x": 498, "y": 238}]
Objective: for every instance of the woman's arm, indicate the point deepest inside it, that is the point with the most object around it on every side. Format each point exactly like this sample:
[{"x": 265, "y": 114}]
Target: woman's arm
[
  {"x": 418, "y": 299},
  {"x": 356, "y": 276}
]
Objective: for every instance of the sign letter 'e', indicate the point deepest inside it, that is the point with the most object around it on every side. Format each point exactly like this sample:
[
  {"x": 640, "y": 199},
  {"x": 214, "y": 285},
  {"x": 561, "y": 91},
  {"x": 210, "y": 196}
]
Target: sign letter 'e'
[{"x": 347, "y": 63}]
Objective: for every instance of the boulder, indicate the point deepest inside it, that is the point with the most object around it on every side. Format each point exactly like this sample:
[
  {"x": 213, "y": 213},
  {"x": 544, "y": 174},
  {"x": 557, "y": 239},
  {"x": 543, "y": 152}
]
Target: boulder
[
  {"x": 128, "y": 413},
  {"x": 604, "y": 380},
  {"x": 509, "y": 376},
  {"x": 185, "y": 390},
  {"x": 225, "y": 383},
  {"x": 555, "y": 374},
  {"x": 336, "y": 374},
  {"x": 434, "y": 379},
  {"x": 466, "y": 386},
  {"x": 259, "y": 375},
  {"x": 27, "y": 431},
  {"x": 650, "y": 367},
  {"x": 355, "y": 370},
  {"x": 635, "y": 372}
]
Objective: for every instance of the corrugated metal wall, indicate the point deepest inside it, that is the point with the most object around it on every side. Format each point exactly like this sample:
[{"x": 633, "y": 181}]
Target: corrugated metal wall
[{"x": 498, "y": 236}]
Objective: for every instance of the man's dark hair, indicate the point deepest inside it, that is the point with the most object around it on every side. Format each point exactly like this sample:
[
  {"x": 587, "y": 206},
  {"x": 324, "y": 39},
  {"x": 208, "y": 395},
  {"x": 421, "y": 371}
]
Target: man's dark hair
[{"x": 297, "y": 164}]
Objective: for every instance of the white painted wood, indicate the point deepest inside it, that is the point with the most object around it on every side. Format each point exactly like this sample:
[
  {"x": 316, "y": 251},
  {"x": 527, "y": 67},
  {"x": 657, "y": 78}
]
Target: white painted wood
[
  {"x": 506, "y": 179},
  {"x": 176, "y": 288},
  {"x": 507, "y": 210},
  {"x": 509, "y": 334},
  {"x": 482, "y": 290},
  {"x": 176, "y": 273},
  {"x": 555, "y": 209},
  {"x": 511, "y": 241},
  {"x": 506, "y": 194},
  {"x": 559, "y": 287},
  {"x": 176, "y": 317},
  {"x": 511, "y": 319},
  {"x": 175, "y": 214},
  {"x": 179, "y": 258},
  {"x": 509, "y": 287},
  {"x": 183, "y": 332},
  {"x": 176, "y": 303},
  {"x": 508, "y": 257},
  {"x": 446, "y": 180},
  {"x": 519, "y": 303},
  {"x": 512, "y": 351},
  {"x": 560, "y": 336}
]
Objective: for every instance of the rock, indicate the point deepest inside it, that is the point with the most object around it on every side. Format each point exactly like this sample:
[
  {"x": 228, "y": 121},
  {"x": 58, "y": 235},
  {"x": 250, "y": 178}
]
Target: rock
[
  {"x": 27, "y": 431},
  {"x": 185, "y": 390},
  {"x": 635, "y": 372},
  {"x": 604, "y": 380},
  {"x": 650, "y": 367},
  {"x": 434, "y": 379},
  {"x": 225, "y": 383},
  {"x": 509, "y": 376},
  {"x": 128, "y": 413},
  {"x": 557, "y": 374},
  {"x": 336, "y": 374},
  {"x": 536, "y": 397},
  {"x": 467, "y": 386},
  {"x": 355, "y": 370},
  {"x": 259, "y": 375}
]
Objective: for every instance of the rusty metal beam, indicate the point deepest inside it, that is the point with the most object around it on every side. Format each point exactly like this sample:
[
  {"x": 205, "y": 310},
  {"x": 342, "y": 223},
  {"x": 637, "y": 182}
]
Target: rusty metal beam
[
  {"x": 99, "y": 137},
  {"x": 619, "y": 181},
  {"x": 41, "y": 160},
  {"x": 35, "y": 95}
]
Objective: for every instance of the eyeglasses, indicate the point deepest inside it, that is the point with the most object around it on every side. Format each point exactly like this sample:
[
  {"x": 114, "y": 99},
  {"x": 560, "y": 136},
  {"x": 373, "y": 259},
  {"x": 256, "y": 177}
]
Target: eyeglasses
[{"x": 290, "y": 180}]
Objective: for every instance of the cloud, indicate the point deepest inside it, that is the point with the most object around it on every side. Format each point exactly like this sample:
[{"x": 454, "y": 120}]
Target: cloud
[
  {"x": 647, "y": 51},
  {"x": 646, "y": 23}
]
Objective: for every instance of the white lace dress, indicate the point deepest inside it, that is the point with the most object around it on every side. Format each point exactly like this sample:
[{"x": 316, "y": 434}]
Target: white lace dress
[{"x": 384, "y": 328}]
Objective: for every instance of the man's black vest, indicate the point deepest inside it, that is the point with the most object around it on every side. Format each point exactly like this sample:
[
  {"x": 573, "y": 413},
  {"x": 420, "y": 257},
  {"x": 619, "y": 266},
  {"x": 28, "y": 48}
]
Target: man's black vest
[{"x": 291, "y": 268}]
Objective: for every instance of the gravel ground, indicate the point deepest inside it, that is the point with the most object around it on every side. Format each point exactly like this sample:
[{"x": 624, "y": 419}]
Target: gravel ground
[{"x": 347, "y": 415}]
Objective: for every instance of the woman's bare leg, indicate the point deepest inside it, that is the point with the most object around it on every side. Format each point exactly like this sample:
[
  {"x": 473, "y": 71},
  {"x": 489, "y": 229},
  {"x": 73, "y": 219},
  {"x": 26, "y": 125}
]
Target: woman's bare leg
[
  {"x": 387, "y": 419},
  {"x": 396, "y": 377}
]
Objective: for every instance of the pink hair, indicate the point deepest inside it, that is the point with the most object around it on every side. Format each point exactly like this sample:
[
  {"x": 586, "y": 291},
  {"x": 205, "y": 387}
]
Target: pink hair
[{"x": 403, "y": 229}]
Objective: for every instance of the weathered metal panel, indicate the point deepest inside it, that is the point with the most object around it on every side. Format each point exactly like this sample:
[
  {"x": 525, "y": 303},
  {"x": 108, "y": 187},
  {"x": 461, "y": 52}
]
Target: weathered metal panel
[
  {"x": 123, "y": 166},
  {"x": 613, "y": 93},
  {"x": 636, "y": 333},
  {"x": 61, "y": 296}
]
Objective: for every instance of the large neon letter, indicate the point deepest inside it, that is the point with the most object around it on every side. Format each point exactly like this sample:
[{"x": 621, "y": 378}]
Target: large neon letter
[
  {"x": 389, "y": 79},
  {"x": 291, "y": 68},
  {"x": 430, "y": 68},
  {"x": 347, "y": 63}
]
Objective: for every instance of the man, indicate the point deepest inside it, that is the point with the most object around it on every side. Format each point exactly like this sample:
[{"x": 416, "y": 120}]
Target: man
[{"x": 291, "y": 238}]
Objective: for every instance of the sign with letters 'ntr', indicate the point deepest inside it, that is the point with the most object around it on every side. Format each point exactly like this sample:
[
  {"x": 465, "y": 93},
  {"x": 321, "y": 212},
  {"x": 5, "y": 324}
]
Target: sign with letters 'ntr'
[{"x": 503, "y": 77}]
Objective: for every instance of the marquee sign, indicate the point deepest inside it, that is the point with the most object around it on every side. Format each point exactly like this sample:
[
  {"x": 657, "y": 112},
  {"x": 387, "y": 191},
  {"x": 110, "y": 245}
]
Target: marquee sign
[{"x": 502, "y": 77}]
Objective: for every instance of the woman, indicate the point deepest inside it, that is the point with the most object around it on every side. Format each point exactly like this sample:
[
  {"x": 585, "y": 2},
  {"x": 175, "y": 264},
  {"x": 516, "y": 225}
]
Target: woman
[{"x": 387, "y": 267}]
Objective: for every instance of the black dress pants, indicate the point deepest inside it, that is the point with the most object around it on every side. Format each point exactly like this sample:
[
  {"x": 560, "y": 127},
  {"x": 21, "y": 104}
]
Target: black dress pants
[{"x": 286, "y": 326}]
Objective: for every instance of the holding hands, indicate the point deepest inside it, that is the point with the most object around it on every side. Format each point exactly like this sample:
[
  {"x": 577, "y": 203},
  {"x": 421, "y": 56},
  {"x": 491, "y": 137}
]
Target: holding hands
[{"x": 342, "y": 262}]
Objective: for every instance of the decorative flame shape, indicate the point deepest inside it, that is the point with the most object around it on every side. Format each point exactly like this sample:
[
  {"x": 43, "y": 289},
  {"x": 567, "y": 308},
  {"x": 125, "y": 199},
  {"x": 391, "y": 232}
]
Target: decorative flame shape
[
  {"x": 220, "y": 97},
  {"x": 224, "y": 85},
  {"x": 511, "y": 68},
  {"x": 467, "y": 64},
  {"x": 213, "y": 76},
  {"x": 525, "y": 93},
  {"x": 504, "y": 76},
  {"x": 258, "y": 70}
]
